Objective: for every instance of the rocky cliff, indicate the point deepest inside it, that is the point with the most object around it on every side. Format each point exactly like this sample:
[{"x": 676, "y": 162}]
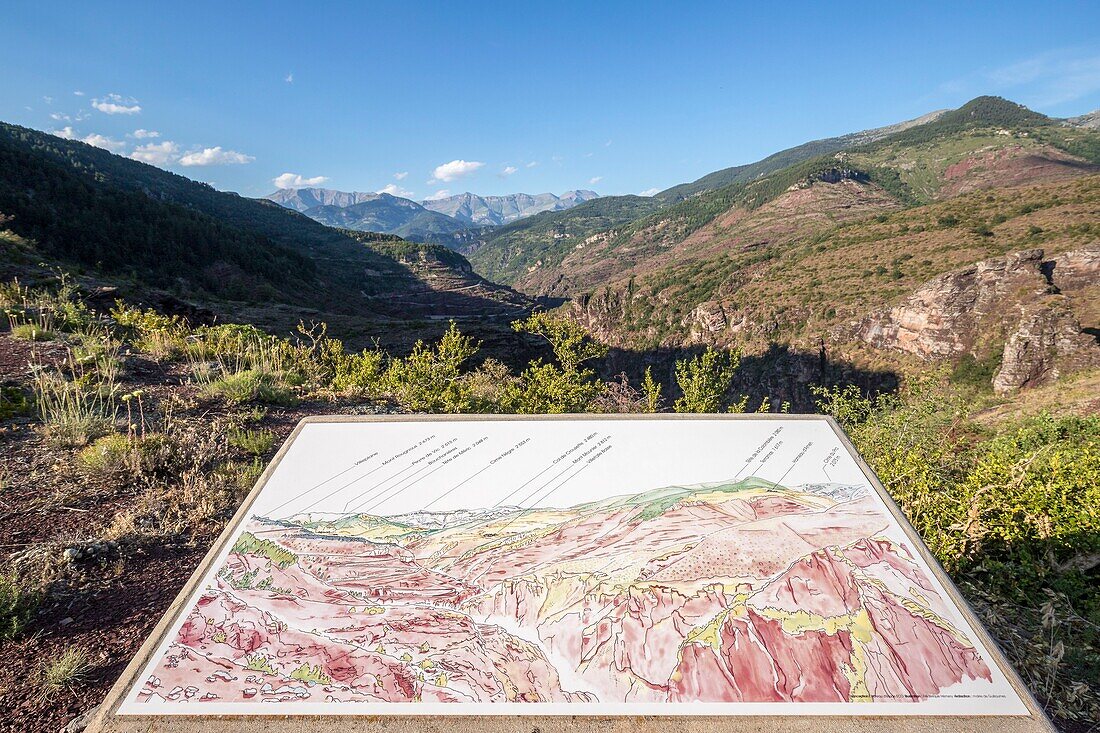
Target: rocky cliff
[{"x": 1037, "y": 314}]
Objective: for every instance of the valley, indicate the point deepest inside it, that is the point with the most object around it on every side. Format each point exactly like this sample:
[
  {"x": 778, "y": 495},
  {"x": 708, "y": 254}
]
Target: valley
[{"x": 933, "y": 285}]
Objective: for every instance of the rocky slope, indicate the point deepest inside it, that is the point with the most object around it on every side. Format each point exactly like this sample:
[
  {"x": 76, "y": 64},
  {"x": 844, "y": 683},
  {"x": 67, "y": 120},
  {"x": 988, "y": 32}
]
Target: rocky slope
[{"x": 1021, "y": 310}]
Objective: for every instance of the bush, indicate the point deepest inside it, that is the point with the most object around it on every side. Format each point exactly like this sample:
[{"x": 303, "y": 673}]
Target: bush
[
  {"x": 705, "y": 380},
  {"x": 430, "y": 379},
  {"x": 18, "y": 605},
  {"x": 117, "y": 453},
  {"x": 31, "y": 332},
  {"x": 254, "y": 442},
  {"x": 160, "y": 336},
  {"x": 562, "y": 387},
  {"x": 549, "y": 389},
  {"x": 252, "y": 385},
  {"x": 1011, "y": 515},
  {"x": 73, "y": 411},
  {"x": 13, "y": 403},
  {"x": 65, "y": 671}
]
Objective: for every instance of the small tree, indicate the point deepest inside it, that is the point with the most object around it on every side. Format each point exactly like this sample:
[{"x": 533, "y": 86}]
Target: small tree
[
  {"x": 705, "y": 380},
  {"x": 560, "y": 388},
  {"x": 652, "y": 390},
  {"x": 430, "y": 379}
]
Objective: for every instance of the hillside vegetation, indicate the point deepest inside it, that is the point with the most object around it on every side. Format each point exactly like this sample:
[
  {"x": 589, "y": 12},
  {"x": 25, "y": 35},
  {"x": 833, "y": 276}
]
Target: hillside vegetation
[
  {"x": 506, "y": 253},
  {"x": 133, "y": 223}
]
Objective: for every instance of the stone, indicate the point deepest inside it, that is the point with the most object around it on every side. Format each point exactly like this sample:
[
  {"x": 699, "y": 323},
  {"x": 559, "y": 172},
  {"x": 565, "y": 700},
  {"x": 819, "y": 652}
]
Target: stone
[{"x": 80, "y": 722}]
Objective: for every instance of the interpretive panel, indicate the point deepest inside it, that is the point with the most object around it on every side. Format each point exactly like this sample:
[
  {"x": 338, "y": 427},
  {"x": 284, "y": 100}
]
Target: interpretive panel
[{"x": 606, "y": 567}]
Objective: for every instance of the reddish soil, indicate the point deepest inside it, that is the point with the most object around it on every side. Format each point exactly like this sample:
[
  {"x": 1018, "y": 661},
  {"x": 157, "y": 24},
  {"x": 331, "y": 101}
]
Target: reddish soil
[{"x": 106, "y": 605}]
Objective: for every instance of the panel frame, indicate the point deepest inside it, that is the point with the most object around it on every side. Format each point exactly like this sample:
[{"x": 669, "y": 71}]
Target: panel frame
[{"x": 107, "y": 719}]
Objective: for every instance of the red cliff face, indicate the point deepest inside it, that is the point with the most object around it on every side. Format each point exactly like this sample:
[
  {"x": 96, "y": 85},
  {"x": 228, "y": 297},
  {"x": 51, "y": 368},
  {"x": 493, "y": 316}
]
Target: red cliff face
[{"x": 807, "y": 634}]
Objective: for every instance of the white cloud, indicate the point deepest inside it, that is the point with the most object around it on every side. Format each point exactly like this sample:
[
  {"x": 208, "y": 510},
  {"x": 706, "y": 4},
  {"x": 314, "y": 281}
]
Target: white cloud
[
  {"x": 594, "y": 180},
  {"x": 102, "y": 141},
  {"x": 401, "y": 176},
  {"x": 289, "y": 78},
  {"x": 608, "y": 143},
  {"x": 293, "y": 180},
  {"x": 455, "y": 169},
  {"x": 82, "y": 115},
  {"x": 508, "y": 170},
  {"x": 394, "y": 190},
  {"x": 79, "y": 94},
  {"x": 531, "y": 164},
  {"x": 215, "y": 156},
  {"x": 156, "y": 153},
  {"x": 143, "y": 134},
  {"x": 116, "y": 104},
  {"x": 1044, "y": 80},
  {"x": 650, "y": 192},
  {"x": 47, "y": 100},
  {"x": 440, "y": 194},
  {"x": 59, "y": 117}
]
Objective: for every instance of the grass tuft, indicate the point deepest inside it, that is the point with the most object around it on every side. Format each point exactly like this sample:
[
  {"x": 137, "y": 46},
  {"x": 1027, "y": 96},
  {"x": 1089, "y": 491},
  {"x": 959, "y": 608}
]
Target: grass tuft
[{"x": 65, "y": 672}]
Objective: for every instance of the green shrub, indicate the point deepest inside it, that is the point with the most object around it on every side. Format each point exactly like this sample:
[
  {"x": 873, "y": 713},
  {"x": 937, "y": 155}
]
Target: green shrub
[
  {"x": 360, "y": 373},
  {"x": 160, "y": 336},
  {"x": 13, "y": 403},
  {"x": 18, "y": 605},
  {"x": 556, "y": 388},
  {"x": 31, "y": 332},
  {"x": 651, "y": 388},
  {"x": 705, "y": 380},
  {"x": 976, "y": 373},
  {"x": 73, "y": 411},
  {"x": 118, "y": 452},
  {"x": 571, "y": 343},
  {"x": 64, "y": 672},
  {"x": 430, "y": 379},
  {"x": 1011, "y": 515},
  {"x": 252, "y": 385},
  {"x": 550, "y": 389},
  {"x": 254, "y": 442}
]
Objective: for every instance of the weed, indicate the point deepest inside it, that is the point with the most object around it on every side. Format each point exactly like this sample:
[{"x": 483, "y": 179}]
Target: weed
[
  {"x": 117, "y": 453},
  {"x": 31, "y": 332},
  {"x": 74, "y": 411},
  {"x": 705, "y": 380}
]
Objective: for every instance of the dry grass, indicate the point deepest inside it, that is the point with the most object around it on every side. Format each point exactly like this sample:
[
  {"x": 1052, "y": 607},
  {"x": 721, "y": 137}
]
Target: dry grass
[
  {"x": 64, "y": 672},
  {"x": 75, "y": 408}
]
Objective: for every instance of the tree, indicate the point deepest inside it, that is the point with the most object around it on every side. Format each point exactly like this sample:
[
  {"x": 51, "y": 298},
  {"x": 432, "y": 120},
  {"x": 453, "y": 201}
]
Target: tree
[{"x": 705, "y": 380}]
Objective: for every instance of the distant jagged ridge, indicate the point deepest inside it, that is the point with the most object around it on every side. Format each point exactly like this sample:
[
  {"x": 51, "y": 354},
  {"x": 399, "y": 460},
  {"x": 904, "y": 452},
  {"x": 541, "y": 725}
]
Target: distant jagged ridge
[{"x": 437, "y": 221}]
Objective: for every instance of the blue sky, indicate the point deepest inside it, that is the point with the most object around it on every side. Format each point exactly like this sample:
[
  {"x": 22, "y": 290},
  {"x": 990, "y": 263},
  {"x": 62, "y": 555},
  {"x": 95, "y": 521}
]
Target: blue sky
[{"x": 495, "y": 98}]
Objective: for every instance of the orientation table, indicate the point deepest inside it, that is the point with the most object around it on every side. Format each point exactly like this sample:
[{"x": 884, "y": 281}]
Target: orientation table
[{"x": 565, "y": 573}]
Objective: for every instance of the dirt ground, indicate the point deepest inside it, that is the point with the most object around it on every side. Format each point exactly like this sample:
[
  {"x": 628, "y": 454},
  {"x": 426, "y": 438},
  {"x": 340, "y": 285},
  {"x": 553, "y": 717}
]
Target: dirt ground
[{"x": 107, "y": 604}]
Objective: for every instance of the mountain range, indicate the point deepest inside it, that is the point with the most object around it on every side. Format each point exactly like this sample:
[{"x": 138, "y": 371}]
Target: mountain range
[
  {"x": 433, "y": 220},
  {"x": 860, "y": 250},
  {"x": 158, "y": 234}
]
